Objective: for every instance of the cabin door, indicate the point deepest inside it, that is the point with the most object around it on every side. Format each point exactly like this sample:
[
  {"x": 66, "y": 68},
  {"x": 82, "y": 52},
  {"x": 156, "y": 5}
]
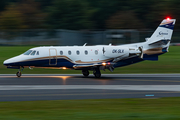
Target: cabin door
[{"x": 52, "y": 56}]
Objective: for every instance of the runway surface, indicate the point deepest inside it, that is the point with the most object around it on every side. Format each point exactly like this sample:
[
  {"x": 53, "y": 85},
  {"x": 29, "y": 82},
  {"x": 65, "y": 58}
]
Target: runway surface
[{"x": 75, "y": 86}]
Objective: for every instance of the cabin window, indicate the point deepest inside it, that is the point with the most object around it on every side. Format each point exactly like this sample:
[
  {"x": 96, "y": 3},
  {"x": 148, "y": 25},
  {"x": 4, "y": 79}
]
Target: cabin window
[
  {"x": 96, "y": 52},
  {"x": 33, "y": 53},
  {"x": 77, "y": 52},
  {"x": 86, "y": 52},
  {"x": 28, "y": 52},
  {"x": 61, "y": 52},
  {"x": 69, "y": 52},
  {"x": 37, "y": 53}
]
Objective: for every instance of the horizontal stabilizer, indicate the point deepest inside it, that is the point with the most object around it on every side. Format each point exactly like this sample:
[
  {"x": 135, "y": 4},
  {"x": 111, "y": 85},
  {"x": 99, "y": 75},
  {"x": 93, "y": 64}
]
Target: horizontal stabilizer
[{"x": 160, "y": 42}]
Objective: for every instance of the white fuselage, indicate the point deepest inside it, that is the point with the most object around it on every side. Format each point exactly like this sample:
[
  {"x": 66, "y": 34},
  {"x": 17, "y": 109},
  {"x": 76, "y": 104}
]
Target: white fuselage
[{"x": 97, "y": 57}]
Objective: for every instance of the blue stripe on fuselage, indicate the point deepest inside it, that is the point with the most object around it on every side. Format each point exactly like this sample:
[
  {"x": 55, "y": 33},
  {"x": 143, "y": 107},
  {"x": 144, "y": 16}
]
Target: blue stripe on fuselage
[
  {"x": 128, "y": 62},
  {"x": 61, "y": 62},
  {"x": 137, "y": 59}
]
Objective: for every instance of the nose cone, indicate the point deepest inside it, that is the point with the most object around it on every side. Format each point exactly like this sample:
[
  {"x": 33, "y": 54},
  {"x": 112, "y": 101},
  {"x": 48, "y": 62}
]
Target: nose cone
[
  {"x": 12, "y": 61},
  {"x": 7, "y": 62}
]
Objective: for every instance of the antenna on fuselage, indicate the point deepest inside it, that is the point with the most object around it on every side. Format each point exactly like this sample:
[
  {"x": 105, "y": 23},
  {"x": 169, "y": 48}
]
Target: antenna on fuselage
[{"x": 84, "y": 44}]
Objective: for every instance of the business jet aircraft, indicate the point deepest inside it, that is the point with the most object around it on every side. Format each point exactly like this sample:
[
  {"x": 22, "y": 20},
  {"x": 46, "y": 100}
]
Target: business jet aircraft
[{"x": 96, "y": 58}]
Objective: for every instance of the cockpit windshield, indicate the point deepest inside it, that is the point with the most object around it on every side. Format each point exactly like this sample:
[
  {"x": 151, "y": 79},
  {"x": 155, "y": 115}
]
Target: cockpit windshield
[
  {"x": 28, "y": 52},
  {"x": 33, "y": 53}
]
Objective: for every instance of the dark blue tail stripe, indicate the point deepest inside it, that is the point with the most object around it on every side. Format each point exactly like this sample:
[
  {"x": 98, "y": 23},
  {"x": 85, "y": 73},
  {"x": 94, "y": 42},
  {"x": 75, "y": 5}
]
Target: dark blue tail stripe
[{"x": 169, "y": 26}]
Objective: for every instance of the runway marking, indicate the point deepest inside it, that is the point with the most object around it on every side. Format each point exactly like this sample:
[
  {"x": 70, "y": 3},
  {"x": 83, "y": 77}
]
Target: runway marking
[
  {"x": 36, "y": 76},
  {"x": 104, "y": 75},
  {"x": 87, "y": 94},
  {"x": 108, "y": 87},
  {"x": 66, "y": 77},
  {"x": 62, "y": 77},
  {"x": 149, "y": 95}
]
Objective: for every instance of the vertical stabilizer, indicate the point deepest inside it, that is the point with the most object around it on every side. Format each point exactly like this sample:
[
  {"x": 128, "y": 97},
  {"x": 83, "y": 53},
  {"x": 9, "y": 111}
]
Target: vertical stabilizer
[{"x": 163, "y": 33}]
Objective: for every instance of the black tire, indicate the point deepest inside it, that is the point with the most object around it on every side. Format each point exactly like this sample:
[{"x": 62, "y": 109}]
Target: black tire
[
  {"x": 85, "y": 73},
  {"x": 18, "y": 74},
  {"x": 97, "y": 73}
]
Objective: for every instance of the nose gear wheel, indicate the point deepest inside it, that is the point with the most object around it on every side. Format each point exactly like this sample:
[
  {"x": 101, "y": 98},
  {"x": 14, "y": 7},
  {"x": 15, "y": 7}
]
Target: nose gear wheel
[{"x": 18, "y": 74}]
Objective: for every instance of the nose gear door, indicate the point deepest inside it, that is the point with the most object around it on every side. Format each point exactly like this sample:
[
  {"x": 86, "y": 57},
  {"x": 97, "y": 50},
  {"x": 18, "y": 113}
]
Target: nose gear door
[{"x": 52, "y": 57}]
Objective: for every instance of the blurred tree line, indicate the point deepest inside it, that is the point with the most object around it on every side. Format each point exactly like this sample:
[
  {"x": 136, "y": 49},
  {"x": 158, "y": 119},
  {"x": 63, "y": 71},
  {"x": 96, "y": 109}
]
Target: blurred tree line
[{"x": 86, "y": 14}]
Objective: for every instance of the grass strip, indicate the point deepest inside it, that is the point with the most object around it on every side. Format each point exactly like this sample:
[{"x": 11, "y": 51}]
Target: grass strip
[{"x": 99, "y": 109}]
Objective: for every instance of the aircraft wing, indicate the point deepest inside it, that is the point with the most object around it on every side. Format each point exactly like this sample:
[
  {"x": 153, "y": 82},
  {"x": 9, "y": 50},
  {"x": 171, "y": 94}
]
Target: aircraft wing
[
  {"x": 86, "y": 65},
  {"x": 79, "y": 66}
]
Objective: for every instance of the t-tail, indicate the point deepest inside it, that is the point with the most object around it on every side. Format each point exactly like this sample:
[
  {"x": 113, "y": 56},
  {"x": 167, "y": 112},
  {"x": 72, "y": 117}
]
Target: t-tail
[
  {"x": 163, "y": 33},
  {"x": 159, "y": 42}
]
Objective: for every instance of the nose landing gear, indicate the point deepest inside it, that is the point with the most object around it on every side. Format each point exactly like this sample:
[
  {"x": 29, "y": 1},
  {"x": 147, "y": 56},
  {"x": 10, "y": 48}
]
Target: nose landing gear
[{"x": 18, "y": 74}]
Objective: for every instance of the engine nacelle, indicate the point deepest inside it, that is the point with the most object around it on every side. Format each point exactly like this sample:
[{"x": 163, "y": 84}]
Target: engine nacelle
[{"x": 116, "y": 52}]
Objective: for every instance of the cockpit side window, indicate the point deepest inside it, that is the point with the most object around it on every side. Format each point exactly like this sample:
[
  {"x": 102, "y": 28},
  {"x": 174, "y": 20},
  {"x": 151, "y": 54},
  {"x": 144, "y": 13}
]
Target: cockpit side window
[
  {"x": 37, "y": 53},
  {"x": 33, "y": 53},
  {"x": 28, "y": 52}
]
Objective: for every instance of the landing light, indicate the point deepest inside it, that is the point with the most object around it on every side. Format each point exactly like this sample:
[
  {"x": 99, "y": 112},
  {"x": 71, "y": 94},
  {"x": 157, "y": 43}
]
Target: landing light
[
  {"x": 104, "y": 63},
  {"x": 64, "y": 68}
]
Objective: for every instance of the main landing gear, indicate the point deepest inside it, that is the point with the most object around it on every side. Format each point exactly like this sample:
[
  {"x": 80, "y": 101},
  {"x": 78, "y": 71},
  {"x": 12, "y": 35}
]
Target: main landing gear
[
  {"x": 18, "y": 74},
  {"x": 85, "y": 73},
  {"x": 96, "y": 73}
]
